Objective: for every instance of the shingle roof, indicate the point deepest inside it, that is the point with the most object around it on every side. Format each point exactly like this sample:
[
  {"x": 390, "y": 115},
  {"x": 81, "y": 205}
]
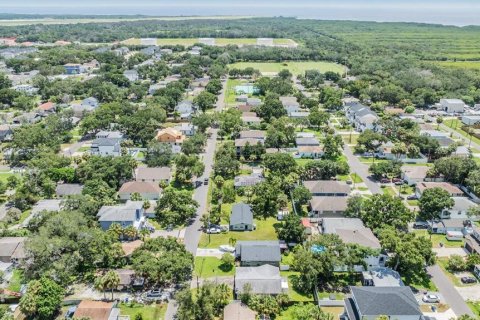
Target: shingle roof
[
  {"x": 68, "y": 189},
  {"x": 307, "y": 141},
  {"x": 157, "y": 173},
  {"x": 241, "y": 213},
  {"x": 267, "y": 251},
  {"x": 140, "y": 187},
  {"x": 450, "y": 188},
  {"x": 462, "y": 204},
  {"x": 251, "y": 141},
  {"x": 238, "y": 311},
  {"x": 376, "y": 301},
  {"x": 11, "y": 247},
  {"x": 415, "y": 172},
  {"x": 264, "y": 279},
  {"x": 330, "y": 225},
  {"x": 327, "y": 186},
  {"x": 257, "y": 134},
  {"x": 329, "y": 203},
  {"x": 126, "y": 212},
  {"x": 361, "y": 236},
  {"x": 94, "y": 310}
]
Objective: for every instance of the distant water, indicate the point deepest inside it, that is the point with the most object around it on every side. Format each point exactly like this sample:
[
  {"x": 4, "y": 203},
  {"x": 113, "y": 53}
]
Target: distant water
[{"x": 451, "y": 15}]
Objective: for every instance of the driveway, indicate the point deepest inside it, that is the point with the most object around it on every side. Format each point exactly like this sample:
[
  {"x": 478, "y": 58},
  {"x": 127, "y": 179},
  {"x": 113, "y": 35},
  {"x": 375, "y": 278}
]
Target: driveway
[
  {"x": 448, "y": 291},
  {"x": 361, "y": 169}
]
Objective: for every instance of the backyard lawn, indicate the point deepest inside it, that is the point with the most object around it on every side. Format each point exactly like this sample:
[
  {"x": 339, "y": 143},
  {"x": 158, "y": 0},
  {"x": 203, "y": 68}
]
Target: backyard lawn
[
  {"x": 440, "y": 238},
  {"x": 153, "y": 312},
  {"x": 15, "y": 282},
  {"x": 294, "y": 67},
  {"x": 265, "y": 231},
  {"x": 230, "y": 92},
  {"x": 4, "y": 176},
  {"x": 208, "y": 267},
  {"x": 292, "y": 293}
]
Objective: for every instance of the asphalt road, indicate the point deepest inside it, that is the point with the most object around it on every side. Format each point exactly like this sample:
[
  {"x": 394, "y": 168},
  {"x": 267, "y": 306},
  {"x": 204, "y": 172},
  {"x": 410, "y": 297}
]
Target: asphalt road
[
  {"x": 194, "y": 232},
  {"x": 448, "y": 291},
  {"x": 459, "y": 136},
  {"x": 361, "y": 169}
]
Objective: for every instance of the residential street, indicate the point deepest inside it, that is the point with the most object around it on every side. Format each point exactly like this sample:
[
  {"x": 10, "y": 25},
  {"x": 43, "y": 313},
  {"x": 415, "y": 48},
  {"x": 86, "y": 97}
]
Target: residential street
[
  {"x": 448, "y": 291},
  {"x": 193, "y": 231},
  {"x": 361, "y": 169}
]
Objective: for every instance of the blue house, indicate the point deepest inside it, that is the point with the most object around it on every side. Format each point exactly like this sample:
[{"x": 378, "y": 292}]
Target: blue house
[{"x": 129, "y": 214}]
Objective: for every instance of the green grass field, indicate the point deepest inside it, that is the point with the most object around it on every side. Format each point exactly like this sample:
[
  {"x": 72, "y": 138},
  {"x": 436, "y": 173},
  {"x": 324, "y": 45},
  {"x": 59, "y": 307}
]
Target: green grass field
[
  {"x": 153, "y": 312},
  {"x": 294, "y": 67},
  {"x": 208, "y": 267},
  {"x": 456, "y": 125},
  {"x": 292, "y": 293},
  {"x": 265, "y": 231},
  {"x": 460, "y": 64}
]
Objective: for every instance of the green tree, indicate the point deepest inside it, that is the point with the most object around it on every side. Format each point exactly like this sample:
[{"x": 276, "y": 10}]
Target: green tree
[
  {"x": 158, "y": 154},
  {"x": 271, "y": 108},
  {"x": 228, "y": 261},
  {"x": 318, "y": 118},
  {"x": 292, "y": 229},
  {"x": 384, "y": 210},
  {"x": 205, "y": 100},
  {"x": 280, "y": 163},
  {"x": 309, "y": 312},
  {"x": 332, "y": 146},
  {"x": 433, "y": 201},
  {"x": 111, "y": 280},
  {"x": 175, "y": 207},
  {"x": 42, "y": 299},
  {"x": 456, "y": 263},
  {"x": 187, "y": 167}
]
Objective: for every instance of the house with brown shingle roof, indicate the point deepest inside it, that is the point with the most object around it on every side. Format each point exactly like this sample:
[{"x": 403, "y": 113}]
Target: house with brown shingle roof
[
  {"x": 453, "y": 190},
  {"x": 147, "y": 190},
  {"x": 96, "y": 310},
  {"x": 47, "y": 107},
  {"x": 12, "y": 249},
  {"x": 327, "y": 188},
  {"x": 155, "y": 174}
]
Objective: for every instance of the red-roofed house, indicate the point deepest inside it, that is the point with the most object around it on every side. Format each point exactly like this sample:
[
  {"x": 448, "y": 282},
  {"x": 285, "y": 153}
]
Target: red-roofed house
[
  {"x": 307, "y": 225},
  {"x": 47, "y": 107}
]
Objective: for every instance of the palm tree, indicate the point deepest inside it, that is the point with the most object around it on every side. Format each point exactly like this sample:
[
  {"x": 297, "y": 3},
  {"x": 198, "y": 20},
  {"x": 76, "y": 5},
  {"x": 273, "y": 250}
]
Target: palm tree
[
  {"x": 116, "y": 229},
  {"x": 130, "y": 232},
  {"x": 224, "y": 293},
  {"x": 100, "y": 285},
  {"x": 111, "y": 280}
]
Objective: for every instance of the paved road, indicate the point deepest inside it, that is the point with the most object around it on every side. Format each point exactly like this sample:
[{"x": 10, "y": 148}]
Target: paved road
[
  {"x": 193, "y": 232},
  {"x": 361, "y": 169},
  {"x": 448, "y": 291},
  {"x": 459, "y": 136}
]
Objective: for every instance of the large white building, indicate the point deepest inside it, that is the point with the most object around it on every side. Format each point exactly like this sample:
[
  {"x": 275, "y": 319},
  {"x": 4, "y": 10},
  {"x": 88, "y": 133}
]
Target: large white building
[{"x": 452, "y": 105}]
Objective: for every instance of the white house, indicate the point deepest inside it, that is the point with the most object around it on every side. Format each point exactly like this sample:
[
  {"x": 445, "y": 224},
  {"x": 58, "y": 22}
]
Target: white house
[
  {"x": 470, "y": 120},
  {"x": 187, "y": 129},
  {"x": 131, "y": 75},
  {"x": 451, "y": 105},
  {"x": 459, "y": 210}
]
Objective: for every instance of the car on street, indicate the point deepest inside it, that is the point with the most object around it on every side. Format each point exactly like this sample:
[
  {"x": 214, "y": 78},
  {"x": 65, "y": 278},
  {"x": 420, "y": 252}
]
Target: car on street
[
  {"x": 420, "y": 225},
  {"x": 468, "y": 280},
  {"x": 205, "y": 181},
  {"x": 349, "y": 181},
  {"x": 431, "y": 298}
]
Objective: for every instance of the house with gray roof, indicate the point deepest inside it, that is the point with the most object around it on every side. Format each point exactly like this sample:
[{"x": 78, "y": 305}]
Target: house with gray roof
[
  {"x": 186, "y": 109},
  {"x": 372, "y": 302},
  {"x": 327, "y": 188},
  {"x": 263, "y": 279},
  {"x": 382, "y": 277},
  {"x": 131, "y": 75},
  {"x": 129, "y": 214},
  {"x": 12, "y": 249},
  {"x": 303, "y": 142},
  {"x": 146, "y": 190},
  {"x": 241, "y": 218},
  {"x": 257, "y": 253},
  {"x": 188, "y": 129},
  {"x": 68, "y": 189},
  {"x": 327, "y": 206},
  {"x": 361, "y": 116},
  {"x": 248, "y": 181},
  {"x": 107, "y": 143},
  {"x": 459, "y": 210},
  {"x": 352, "y": 231}
]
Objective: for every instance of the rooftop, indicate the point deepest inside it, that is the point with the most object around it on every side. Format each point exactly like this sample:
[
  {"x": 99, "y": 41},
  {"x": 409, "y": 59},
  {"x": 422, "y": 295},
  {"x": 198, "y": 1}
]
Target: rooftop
[
  {"x": 327, "y": 186},
  {"x": 450, "y": 188},
  {"x": 329, "y": 203},
  {"x": 267, "y": 251},
  {"x": 156, "y": 173},
  {"x": 264, "y": 279},
  {"x": 140, "y": 187},
  {"x": 241, "y": 213},
  {"x": 415, "y": 172},
  {"x": 94, "y": 310}
]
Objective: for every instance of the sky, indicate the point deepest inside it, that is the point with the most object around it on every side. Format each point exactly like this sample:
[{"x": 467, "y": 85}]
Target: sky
[{"x": 456, "y": 12}]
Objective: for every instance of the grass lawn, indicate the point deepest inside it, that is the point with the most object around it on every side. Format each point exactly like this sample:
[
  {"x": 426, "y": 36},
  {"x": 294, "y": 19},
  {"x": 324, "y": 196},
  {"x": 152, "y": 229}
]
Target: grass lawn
[
  {"x": 292, "y": 293},
  {"x": 83, "y": 149},
  {"x": 230, "y": 91},
  {"x": 4, "y": 176},
  {"x": 153, "y": 312},
  {"x": 208, "y": 267},
  {"x": 460, "y": 64},
  {"x": 390, "y": 191},
  {"x": 413, "y": 203},
  {"x": 370, "y": 160},
  {"x": 16, "y": 281},
  {"x": 442, "y": 262},
  {"x": 424, "y": 284},
  {"x": 336, "y": 311},
  {"x": 356, "y": 178},
  {"x": 294, "y": 67},
  {"x": 265, "y": 231},
  {"x": 440, "y": 238},
  {"x": 475, "y": 307},
  {"x": 303, "y": 162}
]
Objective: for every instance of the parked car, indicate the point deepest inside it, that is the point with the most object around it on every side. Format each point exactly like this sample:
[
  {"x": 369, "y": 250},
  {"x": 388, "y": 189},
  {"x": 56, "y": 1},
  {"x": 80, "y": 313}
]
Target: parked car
[
  {"x": 227, "y": 248},
  {"x": 349, "y": 181},
  {"x": 385, "y": 180},
  {"x": 412, "y": 197},
  {"x": 468, "y": 280},
  {"x": 431, "y": 298},
  {"x": 205, "y": 181},
  {"x": 154, "y": 293},
  {"x": 214, "y": 230},
  {"x": 397, "y": 180},
  {"x": 398, "y": 183},
  {"x": 420, "y": 225}
]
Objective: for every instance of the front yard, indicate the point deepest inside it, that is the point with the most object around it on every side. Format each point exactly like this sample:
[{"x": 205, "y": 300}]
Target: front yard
[
  {"x": 154, "y": 311},
  {"x": 265, "y": 231},
  {"x": 208, "y": 267}
]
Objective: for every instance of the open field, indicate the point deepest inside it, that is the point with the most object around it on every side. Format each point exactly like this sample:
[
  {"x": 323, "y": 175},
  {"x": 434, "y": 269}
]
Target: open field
[
  {"x": 460, "y": 64},
  {"x": 218, "y": 41},
  {"x": 49, "y": 21},
  {"x": 294, "y": 67}
]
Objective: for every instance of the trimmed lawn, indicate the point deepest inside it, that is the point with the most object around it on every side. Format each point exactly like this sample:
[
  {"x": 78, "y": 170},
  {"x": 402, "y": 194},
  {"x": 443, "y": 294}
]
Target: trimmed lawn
[
  {"x": 370, "y": 160},
  {"x": 456, "y": 125},
  {"x": 265, "y": 231},
  {"x": 230, "y": 91},
  {"x": 292, "y": 293},
  {"x": 424, "y": 284},
  {"x": 294, "y": 67},
  {"x": 442, "y": 262},
  {"x": 356, "y": 178},
  {"x": 5, "y": 175},
  {"x": 413, "y": 203},
  {"x": 153, "y": 312},
  {"x": 207, "y": 267},
  {"x": 440, "y": 238},
  {"x": 475, "y": 307}
]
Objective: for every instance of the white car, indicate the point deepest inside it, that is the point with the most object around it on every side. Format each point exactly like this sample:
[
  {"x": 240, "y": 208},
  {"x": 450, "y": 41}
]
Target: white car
[
  {"x": 431, "y": 298},
  {"x": 214, "y": 230},
  {"x": 226, "y": 248}
]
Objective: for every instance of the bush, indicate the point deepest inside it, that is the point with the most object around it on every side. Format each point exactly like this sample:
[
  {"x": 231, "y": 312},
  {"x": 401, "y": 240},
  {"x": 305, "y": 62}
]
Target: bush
[
  {"x": 456, "y": 263},
  {"x": 13, "y": 215}
]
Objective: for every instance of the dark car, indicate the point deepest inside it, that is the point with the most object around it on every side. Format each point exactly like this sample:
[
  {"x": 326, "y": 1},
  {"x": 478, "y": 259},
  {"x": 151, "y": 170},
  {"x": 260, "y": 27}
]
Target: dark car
[
  {"x": 420, "y": 225},
  {"x": 397, "y": 180},
  {"x": 412, "y": 197},
  {"x": 385, "y": 180},
  {"x": 468, "y": 280},
  {"x": 205, "y": 182}
]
